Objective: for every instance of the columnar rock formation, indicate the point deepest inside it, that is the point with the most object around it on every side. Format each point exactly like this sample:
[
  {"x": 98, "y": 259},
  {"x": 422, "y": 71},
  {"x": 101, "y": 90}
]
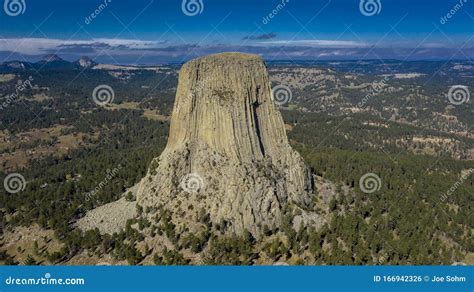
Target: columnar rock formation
[{"x": 227, "y": 152}]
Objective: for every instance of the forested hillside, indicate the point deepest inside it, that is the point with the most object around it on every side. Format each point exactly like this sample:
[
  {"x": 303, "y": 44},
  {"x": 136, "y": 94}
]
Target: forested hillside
[{"x": 76, "y": 155}]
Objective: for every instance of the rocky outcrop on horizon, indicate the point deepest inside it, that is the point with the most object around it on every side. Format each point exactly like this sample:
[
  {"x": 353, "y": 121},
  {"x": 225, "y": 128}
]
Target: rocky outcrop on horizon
[{"x": 85, "y": 62}]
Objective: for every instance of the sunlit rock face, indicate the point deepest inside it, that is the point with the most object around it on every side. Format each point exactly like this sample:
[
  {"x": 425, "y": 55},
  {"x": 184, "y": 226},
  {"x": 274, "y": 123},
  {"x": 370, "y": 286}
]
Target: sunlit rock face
[{"x": 227, "y": 152}]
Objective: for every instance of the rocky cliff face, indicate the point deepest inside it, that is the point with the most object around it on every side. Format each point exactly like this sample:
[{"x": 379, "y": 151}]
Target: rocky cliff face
[{"x": 227, "y": 154}]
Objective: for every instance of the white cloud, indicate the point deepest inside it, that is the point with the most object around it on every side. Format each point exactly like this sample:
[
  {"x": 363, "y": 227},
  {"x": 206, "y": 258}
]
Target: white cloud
[
  {"x": 315, "y": 43},
  {"x": 36, "y": 46}
]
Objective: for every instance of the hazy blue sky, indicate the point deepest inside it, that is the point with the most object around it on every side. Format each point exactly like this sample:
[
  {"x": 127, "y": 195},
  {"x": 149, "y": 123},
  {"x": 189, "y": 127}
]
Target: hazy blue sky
[{"x": 147, "y": 31}]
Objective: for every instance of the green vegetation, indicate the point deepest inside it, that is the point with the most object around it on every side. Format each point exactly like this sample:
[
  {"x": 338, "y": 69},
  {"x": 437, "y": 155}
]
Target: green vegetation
[{"x": 410, "y": 220}]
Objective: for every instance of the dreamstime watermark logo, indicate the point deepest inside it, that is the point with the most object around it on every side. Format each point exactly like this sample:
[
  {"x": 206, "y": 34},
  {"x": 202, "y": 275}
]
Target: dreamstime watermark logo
[
  {"x": 381, "y": 260},
  {"x": 383, "y": 257},
  {"x": 452, "y": 189},
  {"x": 110, "y": 174},
  {"x": 88, "y": 20},
  {"x": 192, "y": 183},
  {"x": 370, "y": 183},
  {"x": 14, "y": 183},
  {"x": 266, "y": 19},
  {"x": 376, "y": 88},
  {"x": 458, "y": 94},
  {"x": 370, "y": 7},
  {"x": 103, "y": 94},
  {"x": 281, "y": 94},
  {"x": 45, "y": 280},
  {"x": 14, "y": 7},
  {"x": 199, "y": 87},
  {"x": 192, "y": 7},
  {"x": 18, "y": 89},
  {"x": 444, "y": 19}
]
